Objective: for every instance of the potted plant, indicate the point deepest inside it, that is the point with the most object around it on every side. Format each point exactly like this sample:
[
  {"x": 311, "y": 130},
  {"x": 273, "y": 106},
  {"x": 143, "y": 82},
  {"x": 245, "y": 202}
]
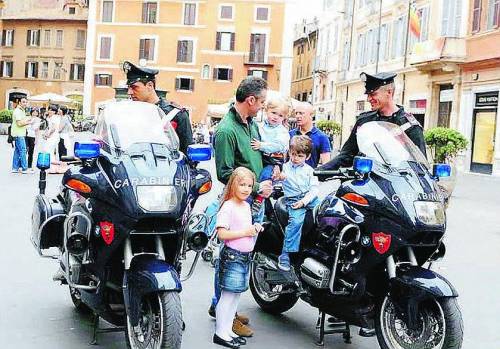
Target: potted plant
[
  {"x": 5, "y": 120},
  {"x": 445, "y": 144}
]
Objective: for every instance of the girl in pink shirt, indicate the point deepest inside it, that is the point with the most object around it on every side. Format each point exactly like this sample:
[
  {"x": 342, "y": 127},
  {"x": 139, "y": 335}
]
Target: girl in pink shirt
[{"x": 234, "y": 227}]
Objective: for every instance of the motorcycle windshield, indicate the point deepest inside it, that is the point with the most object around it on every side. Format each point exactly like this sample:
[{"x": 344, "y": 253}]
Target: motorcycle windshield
[
  {"x": 388, "y": 144},
  {"x": 122, "y": 124}
]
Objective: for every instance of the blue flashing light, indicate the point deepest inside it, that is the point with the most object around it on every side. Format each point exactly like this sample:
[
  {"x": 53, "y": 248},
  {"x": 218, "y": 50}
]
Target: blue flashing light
[
  {"x": 43, "y": 161},
  {"x": 89, "y": 150},
  {"x": 441, "y": 170},
  {"x": 199, "y": 152},
  {"x": 362, "y": 165}
]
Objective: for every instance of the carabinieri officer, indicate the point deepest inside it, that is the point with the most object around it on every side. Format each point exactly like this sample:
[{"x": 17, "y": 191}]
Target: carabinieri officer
[
  {"x": 141, "y": 84},
  {"x": 379, "y": 89}
]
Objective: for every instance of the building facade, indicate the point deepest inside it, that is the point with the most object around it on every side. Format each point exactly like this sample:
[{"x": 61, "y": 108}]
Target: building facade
[
  {"x": 304, "y": 55},
  {"x": 42, "y": 49},
  {"x": 202, "y": 49},
  {"x": 480, "y": 81}
]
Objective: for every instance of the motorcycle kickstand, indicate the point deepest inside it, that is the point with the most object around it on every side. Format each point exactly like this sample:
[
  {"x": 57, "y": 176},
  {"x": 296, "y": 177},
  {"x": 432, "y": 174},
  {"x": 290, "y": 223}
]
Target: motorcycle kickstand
[{"x": 339, "y": 327}]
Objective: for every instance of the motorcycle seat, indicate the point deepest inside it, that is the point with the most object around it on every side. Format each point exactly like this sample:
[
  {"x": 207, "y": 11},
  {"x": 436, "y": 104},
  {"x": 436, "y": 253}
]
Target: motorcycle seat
[{"x": 282, "y": 213}]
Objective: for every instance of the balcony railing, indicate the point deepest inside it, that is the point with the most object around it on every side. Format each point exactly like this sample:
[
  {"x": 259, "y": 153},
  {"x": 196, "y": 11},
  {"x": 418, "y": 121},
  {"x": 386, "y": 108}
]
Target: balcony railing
[{"x": 259, "y": 60}]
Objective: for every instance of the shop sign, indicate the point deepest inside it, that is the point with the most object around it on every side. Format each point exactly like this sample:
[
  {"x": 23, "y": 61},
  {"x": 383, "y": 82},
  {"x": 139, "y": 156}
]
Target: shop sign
[{"x": 487, "y": 99}]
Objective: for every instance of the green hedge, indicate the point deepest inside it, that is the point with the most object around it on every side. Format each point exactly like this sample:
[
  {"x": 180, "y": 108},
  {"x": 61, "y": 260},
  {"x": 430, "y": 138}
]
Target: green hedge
[
  {"x": 445, "y": 143},
  {"x": 330, "y": 127},
  {"x": 6, "y": 116}
]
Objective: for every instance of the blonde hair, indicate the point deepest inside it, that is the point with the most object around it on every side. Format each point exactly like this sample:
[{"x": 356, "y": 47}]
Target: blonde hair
[
  {"x": 236, "y": 177},
  {"x": 278, "y": 102}
]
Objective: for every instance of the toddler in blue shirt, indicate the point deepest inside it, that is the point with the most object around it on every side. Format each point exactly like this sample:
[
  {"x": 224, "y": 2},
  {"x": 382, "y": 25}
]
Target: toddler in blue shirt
[
  {"x": 274, "y": 136},
  {"x": 301, "y": 194}
]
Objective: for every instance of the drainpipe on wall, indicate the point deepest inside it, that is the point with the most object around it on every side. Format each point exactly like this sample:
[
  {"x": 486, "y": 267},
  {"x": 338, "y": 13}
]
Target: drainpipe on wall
[{"x": 88, "y": 82}]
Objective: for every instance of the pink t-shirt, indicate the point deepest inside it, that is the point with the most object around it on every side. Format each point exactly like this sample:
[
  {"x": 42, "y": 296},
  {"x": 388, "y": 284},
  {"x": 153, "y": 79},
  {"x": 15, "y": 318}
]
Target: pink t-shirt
[{"x": 233, "y": 216}]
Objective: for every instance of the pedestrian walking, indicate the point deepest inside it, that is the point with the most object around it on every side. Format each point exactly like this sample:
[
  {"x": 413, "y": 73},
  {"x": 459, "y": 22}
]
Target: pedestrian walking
[
  {"x": 234, "y": 227},
  {"x": 51, "y": 138},
  {"x": 32, "y": 133},
  {"x": 18, "y": 131},
  {"x": 65, "y": 145}
]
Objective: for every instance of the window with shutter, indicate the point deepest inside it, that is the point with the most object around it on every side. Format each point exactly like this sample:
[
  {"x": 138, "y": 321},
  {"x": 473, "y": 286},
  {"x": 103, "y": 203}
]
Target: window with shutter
[
  {"x": 149, "y": 12},
  {"x": 2, "y": 71},
  {"x": 107, "y": 11},
  {"x": 494, "y": 14},
  {"x": 57, "y": 70},
  {"x": 46, "y": 38},
  {"x": 72, "y": 72},
  {"x": 105, "y": 48},
  {"x": 45, "y": 70},
  {"x": 4, "y": 34},
  {"x": 185, "y": 51},
  {"x": 476, "y": 16},
  {"x": 225, "y": 41},
  {"x": 7, "y": 37},
  {"x": 205, "y": 73},
  {"x": 217, "y": 40},
  {"x": 147, "y": 49},
  {"x": 184, "y": 84},
  {"x": 189, "y": 14},
  {"x": 257, "y": 48},
  {"x": 59, "y": 38},
  {"x": 80, "y": 38}
]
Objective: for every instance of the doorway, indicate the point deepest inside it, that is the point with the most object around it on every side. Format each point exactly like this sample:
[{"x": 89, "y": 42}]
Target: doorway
[{"x": 483, "y": 140}]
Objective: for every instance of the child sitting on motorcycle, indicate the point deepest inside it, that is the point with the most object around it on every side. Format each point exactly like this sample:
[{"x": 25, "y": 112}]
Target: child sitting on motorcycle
[
  {"x": 274, "y": 136},
  {"x": 300, "y": 187},
  {"x": 234, "y": 227}
]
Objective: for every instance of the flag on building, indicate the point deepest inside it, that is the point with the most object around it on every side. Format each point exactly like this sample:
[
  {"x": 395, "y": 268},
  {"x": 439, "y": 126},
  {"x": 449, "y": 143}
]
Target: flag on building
[{"x": 415, "y": 22}]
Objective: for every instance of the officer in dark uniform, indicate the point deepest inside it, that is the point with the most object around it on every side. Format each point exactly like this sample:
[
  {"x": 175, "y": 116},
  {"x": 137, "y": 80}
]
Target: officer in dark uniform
[
  {"x": 379, "y": 89},
  {"x": 141, "y": 84}
]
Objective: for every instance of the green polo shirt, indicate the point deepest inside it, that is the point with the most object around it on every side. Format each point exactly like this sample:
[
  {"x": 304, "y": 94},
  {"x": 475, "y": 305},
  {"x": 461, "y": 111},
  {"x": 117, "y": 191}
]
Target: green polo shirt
[
  {"x": 232, "y": 146},
  {"x": 18, "y": 115}
]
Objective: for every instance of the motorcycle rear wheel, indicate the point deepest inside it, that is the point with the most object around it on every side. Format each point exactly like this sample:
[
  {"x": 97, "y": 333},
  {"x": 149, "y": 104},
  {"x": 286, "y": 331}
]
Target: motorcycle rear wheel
[
  {"x": 160, "y": 321},
  {"x": 272, "y": 304},
  {"x": 440, "y": 326}
]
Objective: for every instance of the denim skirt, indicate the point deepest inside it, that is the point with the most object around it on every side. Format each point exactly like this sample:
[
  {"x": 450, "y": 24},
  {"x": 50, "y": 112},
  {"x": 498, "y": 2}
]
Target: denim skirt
[{"x": 234, "y": 270}]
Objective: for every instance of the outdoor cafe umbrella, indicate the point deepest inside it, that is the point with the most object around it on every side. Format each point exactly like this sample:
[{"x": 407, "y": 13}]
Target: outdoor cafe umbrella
[{"x": 50, "y": 97}]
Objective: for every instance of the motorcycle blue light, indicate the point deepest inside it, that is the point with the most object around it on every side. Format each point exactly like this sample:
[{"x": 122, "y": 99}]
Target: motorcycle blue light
[
  {"x": 43, "y": 161},
  {"x": 199, "y": 152},
  {"x": 441, "y": 170},
  {"x": 89, "y": 150},
  {"x": 362, "y": 165}
]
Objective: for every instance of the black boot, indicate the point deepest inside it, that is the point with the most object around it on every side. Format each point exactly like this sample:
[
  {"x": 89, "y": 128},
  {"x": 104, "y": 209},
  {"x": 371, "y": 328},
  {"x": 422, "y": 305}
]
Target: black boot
[{"x": 366, "y": 332}]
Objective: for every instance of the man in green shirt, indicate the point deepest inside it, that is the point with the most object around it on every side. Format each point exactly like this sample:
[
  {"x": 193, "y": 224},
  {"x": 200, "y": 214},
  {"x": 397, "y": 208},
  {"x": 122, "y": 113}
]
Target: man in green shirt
[
  {"x": 232, "y": 150},
  {"x": 18, "y": 132}
]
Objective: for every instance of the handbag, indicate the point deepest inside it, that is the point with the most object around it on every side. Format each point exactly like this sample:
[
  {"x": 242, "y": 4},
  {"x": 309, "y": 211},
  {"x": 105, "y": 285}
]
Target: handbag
[{"x": 10, "y": 139}]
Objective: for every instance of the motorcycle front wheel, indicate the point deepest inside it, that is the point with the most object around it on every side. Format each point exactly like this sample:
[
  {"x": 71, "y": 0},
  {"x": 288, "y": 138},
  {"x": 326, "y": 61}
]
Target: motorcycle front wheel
[
  {"x": 272, "y": 304},
  {"x": 439, "y": 326},
  {"x": 160, "y": 323}
]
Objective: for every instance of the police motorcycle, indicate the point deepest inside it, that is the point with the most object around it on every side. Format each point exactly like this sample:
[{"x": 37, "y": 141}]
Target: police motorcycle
[
  {"x": 363, "y": 250},
  {"x": 123, "y": 223}
]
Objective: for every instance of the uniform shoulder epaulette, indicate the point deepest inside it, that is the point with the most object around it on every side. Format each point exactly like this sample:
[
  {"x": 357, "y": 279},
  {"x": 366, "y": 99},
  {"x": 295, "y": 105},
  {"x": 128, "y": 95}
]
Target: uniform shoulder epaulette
[{"x": 411, "y": 119}]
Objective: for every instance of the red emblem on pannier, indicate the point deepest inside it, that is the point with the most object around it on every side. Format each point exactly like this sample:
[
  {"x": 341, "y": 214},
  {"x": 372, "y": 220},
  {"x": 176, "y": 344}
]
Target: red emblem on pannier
[
  {"x": 381, "y": 242},
  {"x": 107, "y": 232}
]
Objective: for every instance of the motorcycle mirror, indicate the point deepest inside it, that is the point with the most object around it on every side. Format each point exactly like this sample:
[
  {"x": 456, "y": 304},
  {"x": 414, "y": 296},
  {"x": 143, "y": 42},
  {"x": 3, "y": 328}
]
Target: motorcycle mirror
[
  {"x": 43, "y": 161},
  {"x": 441, "y": 170},
  {"x": 362, "y": 165},
  {"x": 88, "y": 150},
  {"x": 199, "y": 152}
]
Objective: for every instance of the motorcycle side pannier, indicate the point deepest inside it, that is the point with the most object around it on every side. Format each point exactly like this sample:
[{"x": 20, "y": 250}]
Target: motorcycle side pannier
[{"x": 52, "y": 233}]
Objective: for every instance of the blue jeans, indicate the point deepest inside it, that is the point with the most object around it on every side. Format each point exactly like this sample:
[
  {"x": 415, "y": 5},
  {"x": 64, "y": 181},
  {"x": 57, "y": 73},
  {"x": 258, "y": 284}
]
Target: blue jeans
[
  {"x": 293, "y": 230},
  {"x": 267, "y": 173},
  {"x": 19, "y": 158},
  {"x": 234, "y": 270}
]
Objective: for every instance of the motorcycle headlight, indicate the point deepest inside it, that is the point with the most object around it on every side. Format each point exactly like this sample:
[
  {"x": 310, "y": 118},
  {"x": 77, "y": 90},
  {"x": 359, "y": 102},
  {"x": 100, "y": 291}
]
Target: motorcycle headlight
[
  {"x": 157, "y": 198},
  {"x": 429, "y": 212}
]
